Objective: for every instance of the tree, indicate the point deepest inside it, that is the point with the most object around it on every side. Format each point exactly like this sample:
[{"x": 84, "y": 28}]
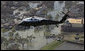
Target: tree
[
  {"x": 23, "y": 41},
  {"x": 49, "y": 17},
  {"x": 13, "y": 47},
  {"x": 3, "y": 30},
  {"x": 13, "y": 29},
  {"x": 17, "y": 37},
  {"x": 11, "y": 35},
  {"x": 4, "y": 41},
  {"x": 30, "y": 39}
]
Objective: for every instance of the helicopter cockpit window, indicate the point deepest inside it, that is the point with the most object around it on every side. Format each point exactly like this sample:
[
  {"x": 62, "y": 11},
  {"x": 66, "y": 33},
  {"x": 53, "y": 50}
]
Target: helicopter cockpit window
[{"x": 33, "y": 19}]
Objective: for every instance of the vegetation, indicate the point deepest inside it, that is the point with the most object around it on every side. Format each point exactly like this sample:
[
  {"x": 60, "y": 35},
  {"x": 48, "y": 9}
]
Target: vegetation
[
  {"x": 3, "y": 30},
  {"x": 71, "y": 38},
  {"x": 13, "y": 29},
  {"x": 52, "y": 45},
  {"x": 4, "y": 43},
  {"x": 49, "y": 16},
  {"x": 50, "y": 9}
]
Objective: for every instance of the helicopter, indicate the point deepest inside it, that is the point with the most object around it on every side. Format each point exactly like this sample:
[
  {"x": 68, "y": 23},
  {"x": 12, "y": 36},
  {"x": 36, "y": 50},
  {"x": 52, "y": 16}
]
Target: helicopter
[{"x": 38, "y": 21}]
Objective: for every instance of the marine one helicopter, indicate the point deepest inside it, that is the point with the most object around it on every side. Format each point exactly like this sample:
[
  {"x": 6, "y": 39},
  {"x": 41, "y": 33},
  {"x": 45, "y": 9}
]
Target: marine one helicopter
[{"x": 38, "y": 21}]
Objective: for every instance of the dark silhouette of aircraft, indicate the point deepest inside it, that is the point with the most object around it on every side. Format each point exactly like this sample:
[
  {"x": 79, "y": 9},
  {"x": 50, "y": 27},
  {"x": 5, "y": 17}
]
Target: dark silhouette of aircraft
[{"x": 38, "y": 21}]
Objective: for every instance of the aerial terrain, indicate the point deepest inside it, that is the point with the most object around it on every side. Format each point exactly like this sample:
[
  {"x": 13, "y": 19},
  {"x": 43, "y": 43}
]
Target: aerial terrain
[{"x": 67, "y": 36}]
